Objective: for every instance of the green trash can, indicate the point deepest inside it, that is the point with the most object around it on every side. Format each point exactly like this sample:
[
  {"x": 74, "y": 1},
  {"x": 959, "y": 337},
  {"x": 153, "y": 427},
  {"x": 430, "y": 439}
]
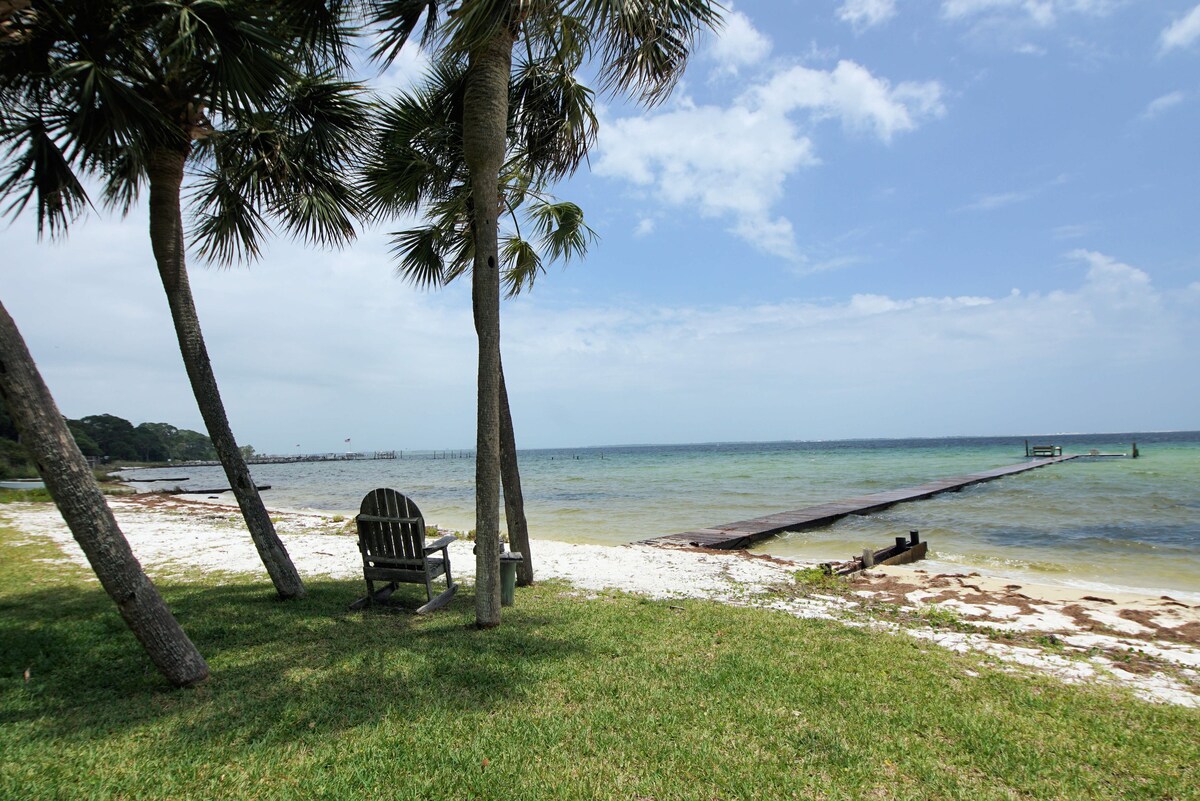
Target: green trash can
[{"x": 508, "y": 576}]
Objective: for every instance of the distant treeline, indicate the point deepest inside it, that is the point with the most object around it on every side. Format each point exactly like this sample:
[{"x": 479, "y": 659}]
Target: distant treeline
[{"x": 106, "y": 437}]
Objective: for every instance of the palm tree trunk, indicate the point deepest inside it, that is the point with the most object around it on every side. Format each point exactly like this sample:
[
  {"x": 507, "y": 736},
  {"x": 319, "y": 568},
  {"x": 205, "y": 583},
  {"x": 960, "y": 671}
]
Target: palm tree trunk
[
  {"x": 71, "y": 483},
  {"x": 485, "y": 116},
  {"x": 514, "y": 499},
  {"x": 166, "y": 239}
]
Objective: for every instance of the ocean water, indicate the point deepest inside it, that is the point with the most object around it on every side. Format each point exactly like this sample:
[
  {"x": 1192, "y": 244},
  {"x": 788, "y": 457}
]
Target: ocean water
[{"x": 1095, "y": 523}]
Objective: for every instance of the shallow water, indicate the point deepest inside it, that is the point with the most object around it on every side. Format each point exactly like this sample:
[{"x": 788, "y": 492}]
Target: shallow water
[{"x": 1103, "y": 523}]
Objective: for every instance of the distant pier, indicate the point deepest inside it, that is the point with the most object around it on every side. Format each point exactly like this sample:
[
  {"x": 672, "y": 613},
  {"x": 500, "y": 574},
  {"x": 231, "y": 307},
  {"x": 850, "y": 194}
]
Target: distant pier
[
  {"x": 306, "y": 457},
  {"x": 744, "y": 533}
]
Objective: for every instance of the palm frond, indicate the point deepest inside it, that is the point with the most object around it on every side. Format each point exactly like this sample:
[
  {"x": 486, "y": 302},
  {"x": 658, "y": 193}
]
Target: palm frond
[
  {"x": 324, "y": 115},
  {"x": 236, "y": 54},
  {"x": 644, "y": 46},
  {"x": 553, "y": 121},
  {"x": 419, "y": 251},
  {"x": 321, "y": 30},
  {"x": 521, "y": 264},
  {"x": 227, "y": 226},
  {"x": 291, "y": 163},
  {"x": 42, "y": 172},
  {"x": 398, "y": 20},
  {"x": 416, "y": 164},
  {"x": 123, "y": 181},
  {"x": 554, "y": 35},
  {"x": 561, "y": 230},
  {"x": 416, "y": 153},
  {"x": 107, "y": 113},
  {"x": 320, "y": 207}
]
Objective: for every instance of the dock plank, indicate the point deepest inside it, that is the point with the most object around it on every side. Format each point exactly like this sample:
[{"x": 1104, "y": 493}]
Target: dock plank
[{"x": 744, "y": 533}]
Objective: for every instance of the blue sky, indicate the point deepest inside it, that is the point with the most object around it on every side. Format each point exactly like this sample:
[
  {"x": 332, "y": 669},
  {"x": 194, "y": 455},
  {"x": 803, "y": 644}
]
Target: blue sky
[{"x": 857, "y": 218}]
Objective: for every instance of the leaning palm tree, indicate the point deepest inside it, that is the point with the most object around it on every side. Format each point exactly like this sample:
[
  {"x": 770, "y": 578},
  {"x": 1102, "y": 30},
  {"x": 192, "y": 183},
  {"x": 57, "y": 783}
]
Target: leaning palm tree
[
  {"x": 415, "y": 165},
  {"x": 244, "y": 96},
  {"x": 641, "y": 48},
  {"x": 44, "y": 434}
]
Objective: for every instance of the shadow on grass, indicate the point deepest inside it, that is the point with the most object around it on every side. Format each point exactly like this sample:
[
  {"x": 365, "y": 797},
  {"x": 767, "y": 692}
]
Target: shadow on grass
[{"x": 275, "y": 665}]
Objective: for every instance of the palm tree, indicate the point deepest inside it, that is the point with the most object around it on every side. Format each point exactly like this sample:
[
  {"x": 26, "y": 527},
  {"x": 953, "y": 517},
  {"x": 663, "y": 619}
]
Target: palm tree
[
  {"x": 44, "y": 434},
  {"x": 641, "y": 47},
  {"x": 43, "y": 431},
  {"x": 244, "y": 95},
  {"x": 416, "y": 165}
]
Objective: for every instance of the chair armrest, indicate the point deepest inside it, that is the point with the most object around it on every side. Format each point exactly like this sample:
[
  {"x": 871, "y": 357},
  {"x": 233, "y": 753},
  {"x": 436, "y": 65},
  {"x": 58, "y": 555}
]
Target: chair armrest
[{"x": 440, "y": 543}]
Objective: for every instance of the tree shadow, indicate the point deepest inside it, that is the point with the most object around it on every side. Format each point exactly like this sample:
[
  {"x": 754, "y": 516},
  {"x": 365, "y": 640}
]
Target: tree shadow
[{"x": 275, "y": 665}]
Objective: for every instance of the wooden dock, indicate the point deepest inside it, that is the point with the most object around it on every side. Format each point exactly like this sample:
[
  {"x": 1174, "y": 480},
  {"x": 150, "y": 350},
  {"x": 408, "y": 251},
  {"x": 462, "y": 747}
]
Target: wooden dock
[{"x": 745, "y": 533}]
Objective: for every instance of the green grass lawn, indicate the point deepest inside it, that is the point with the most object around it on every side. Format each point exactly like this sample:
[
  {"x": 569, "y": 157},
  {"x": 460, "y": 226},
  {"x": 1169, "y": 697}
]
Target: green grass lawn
[{"x": 614, "y": 697}]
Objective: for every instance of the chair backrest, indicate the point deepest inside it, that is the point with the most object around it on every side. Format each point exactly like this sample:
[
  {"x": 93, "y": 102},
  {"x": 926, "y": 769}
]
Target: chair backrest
[{"x": 391, "y": 530}]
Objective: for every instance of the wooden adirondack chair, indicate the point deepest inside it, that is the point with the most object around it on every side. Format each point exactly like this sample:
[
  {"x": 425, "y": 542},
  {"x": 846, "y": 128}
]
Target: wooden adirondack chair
[{"x": 391, "y": 537}]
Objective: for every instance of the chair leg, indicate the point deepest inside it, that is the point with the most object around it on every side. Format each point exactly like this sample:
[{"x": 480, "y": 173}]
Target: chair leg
[
  {"x": 440, "y": 601},
  {"x": 373, "y": 595},
  {"x": 366, "y": 599}
]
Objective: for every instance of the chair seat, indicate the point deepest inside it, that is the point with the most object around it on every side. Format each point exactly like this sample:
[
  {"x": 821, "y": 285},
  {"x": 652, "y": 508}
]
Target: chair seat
[{"x": 408, "y": 573}]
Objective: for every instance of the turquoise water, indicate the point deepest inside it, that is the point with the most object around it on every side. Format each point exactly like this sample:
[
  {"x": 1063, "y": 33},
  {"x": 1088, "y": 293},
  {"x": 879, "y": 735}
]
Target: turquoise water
[{"x": 1103, "y": 523}]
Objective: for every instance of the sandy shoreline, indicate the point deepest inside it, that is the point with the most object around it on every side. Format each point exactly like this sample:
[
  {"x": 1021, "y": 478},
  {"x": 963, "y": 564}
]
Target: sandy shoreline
[{"x": 1149, "y": 643}]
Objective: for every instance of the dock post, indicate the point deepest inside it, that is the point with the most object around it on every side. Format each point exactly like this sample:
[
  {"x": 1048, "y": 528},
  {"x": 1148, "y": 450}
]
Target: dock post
[
  {"x": 901, "y": 543},
  {"x": 1026, "y": 449},
  {"x": 914, "y": 537},
  {"x": 868, "y": 558},
  {"x": 1135, "y": 453}
]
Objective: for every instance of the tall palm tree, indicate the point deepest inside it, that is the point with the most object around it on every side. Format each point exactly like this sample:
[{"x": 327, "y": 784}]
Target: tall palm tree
[
  {"x": 640, "y": 48},
  {"x": 44, "y": 434},
  {"x": 244, "y": 95},
  {"x": 415, "y": 165}
]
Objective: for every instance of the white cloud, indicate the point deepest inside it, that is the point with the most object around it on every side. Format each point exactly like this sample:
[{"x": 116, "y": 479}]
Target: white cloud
[
  {"x": 1121, "y": 285},
  {"x": 1010, "y": 23},
  {"x": 809, "y": 267},
  {"x": 949, "y": 363},
  {"x": 409, "y": 67},
  {"x": 311, "y": 348},
  {"x": 852, "y": 94},
  {"x": 739, "y": 43},
  {"x": 1000, "y": 200},
  {"x": 724, "y": 162},
  {"x": 308, "y": 346},
  {"x": 644, "y": 228},
  {"x": 1038, "y": 12},
  {"x": 863, "y": 14},
  {"x": 1042, "y": 13},
  {"x": 1159, "y": 105},
  {"x": 732, "y": 162},
  {"x": 1182, "y": 33},
  {"x": 1076, "y": 231}
]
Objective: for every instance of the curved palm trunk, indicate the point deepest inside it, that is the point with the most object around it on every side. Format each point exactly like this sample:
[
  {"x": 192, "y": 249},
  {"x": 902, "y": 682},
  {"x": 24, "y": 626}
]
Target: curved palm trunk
[
  {"x": 166, "y": 239},
  {"x": 73, "y": 487},
  {"x": 514, "y": 499},
  {"x": 485, "y": 116}
]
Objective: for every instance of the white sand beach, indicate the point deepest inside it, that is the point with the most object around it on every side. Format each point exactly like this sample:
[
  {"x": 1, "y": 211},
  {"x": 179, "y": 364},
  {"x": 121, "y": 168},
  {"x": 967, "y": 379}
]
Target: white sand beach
[{"x": 1150, "y": 644}]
